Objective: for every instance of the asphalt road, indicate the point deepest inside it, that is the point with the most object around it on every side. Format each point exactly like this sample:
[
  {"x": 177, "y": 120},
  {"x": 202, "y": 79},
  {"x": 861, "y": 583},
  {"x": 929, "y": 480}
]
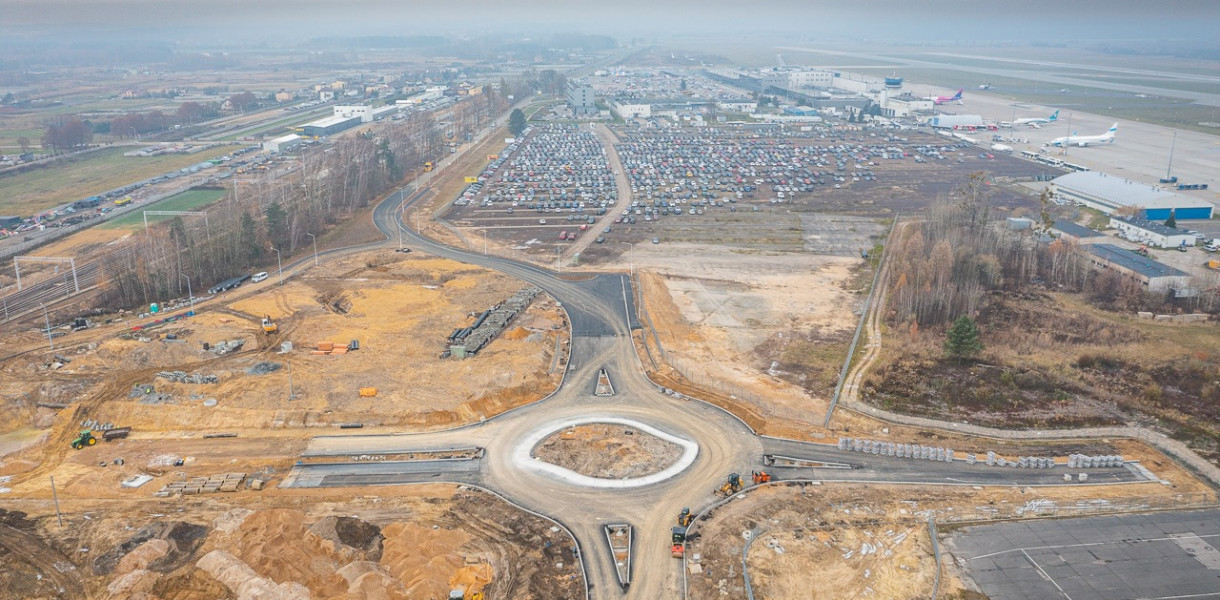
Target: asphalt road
[{"x": 601, "y": 314}]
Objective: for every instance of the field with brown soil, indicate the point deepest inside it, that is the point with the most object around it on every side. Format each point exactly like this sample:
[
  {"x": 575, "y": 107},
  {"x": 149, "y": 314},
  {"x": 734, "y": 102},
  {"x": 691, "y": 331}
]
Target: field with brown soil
[
  {"x": 849, "y": 541},
  {"x": 1051, "y": 360},
  {"x": 608, "y": 451},
  {"x": 397, "y": 547}
]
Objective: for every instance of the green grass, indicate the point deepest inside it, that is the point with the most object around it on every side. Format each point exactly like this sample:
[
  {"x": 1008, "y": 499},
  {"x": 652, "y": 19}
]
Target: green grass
[
  {"x": 186, "y": 201},
  {"x": 29, "y": 193}
]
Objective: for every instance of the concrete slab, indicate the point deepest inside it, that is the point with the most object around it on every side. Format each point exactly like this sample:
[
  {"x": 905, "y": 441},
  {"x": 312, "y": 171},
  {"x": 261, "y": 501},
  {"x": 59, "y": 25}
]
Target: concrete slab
[{"x": 1154, "y": 556}]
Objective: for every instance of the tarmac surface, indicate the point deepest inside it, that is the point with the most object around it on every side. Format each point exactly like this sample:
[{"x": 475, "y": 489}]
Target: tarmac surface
[{"x": 1155, "y": 556}]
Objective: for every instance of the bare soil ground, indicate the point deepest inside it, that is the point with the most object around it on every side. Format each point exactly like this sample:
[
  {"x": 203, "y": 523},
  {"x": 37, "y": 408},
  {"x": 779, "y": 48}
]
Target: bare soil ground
[
  {"x": 767, "y": 329},
  {"x": 608, "y": 451},
  {"x": 400, "y": 307},
  {"x": 398, "y": 547},
  {"x": 849, "y": 541}
]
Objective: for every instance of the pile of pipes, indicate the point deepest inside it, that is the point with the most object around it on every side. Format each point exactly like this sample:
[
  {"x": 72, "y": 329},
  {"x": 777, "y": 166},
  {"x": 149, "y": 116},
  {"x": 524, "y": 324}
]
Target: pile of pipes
[
  {"x": 225, "y": 347},
  {"x": 1023, "y": 462},
  {"x": 183, "y": 377},
  {"x": 897, "y": 450},
  {"x": 1082, "y": 461},
  {"x": 469, "y": 340}
]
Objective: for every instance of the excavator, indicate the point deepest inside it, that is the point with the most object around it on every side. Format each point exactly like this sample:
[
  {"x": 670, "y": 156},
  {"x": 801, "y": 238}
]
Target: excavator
[
  {"x": 761, "y": 477},
  {"x": 685, "y": 518},
  {"x": 269, "y": 326},
  {"x": 731, "y": 486}
]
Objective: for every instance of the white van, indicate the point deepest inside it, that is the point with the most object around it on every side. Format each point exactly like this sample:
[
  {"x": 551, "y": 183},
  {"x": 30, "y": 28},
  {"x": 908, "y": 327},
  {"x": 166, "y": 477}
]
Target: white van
[{"x": 258, "y": 277}]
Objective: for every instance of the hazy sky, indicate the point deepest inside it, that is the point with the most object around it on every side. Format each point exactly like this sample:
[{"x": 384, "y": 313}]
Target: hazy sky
[{"x": 912, "y": 19}]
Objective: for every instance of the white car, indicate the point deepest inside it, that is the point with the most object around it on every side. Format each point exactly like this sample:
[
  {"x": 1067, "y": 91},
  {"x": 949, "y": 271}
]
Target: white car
[
  {"x": 1212, "y": 246},
  {"x": 257, "y": 277}
]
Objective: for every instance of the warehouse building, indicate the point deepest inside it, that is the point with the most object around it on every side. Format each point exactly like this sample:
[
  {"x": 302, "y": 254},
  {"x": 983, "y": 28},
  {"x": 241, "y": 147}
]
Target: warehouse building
[
  {"x": 1077, "y": 234},
  {"x": 328, "y": 126},
  {"x": 1151, "y": 233},
  {"x": 1152, "y": 275},
  {"x": 282, "y": 144},
  {"x": 625, "y": 110},
  {"x": 1108, "y": 194}
]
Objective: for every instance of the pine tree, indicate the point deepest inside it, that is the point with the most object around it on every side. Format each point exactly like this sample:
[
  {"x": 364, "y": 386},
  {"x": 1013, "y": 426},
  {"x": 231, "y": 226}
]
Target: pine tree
[
  {"x": 962, "y": 341},
  {"x": 516, "y": 122},
  {"x": 1172, "y": 221}
]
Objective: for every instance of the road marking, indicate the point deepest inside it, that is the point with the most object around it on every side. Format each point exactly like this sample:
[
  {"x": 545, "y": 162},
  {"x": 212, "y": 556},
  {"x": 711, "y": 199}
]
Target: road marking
[
  {"x": 1089, "y": 544},
  {"x": 1043, "y": 573}
]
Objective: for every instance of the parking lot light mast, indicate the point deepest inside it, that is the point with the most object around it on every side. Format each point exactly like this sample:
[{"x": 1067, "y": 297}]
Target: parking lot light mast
[{"x": 315, "y": 248}]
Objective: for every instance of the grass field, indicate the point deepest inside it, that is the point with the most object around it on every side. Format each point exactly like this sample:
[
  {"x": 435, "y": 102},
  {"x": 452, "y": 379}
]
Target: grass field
[
  {"x": 189, "y": 200},
  {"x": 29, "y": 193}
]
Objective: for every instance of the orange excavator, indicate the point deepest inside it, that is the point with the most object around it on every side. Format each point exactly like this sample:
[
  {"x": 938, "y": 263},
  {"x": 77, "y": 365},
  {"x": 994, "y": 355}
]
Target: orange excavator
[{"x": 761, "y": 477}]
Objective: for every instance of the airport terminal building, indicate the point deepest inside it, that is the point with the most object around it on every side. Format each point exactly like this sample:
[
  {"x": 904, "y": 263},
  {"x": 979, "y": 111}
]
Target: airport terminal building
[{"x": 1108, "y": 193}]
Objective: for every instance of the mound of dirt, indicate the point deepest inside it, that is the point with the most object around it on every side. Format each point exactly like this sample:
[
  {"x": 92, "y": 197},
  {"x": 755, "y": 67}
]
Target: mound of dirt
[
  {"x": 181, "y": 541},
  {"x": 608, "y": 451},
  {"x": 351, "y": 533}
]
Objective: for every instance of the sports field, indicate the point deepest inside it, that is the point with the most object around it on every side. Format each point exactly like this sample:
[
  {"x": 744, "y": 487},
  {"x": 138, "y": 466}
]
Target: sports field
[{"x": 190, "y": 200}]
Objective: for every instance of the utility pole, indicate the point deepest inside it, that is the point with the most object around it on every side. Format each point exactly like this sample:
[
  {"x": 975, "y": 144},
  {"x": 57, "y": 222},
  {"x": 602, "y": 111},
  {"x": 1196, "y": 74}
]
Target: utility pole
[
  {"x": 291, "y": 393},
  {"x": 280, "y": 262},
  {"x": 55, "y": 497},
  {"x": 48, "y": 321},
  {"x": 315, "y": 248},
  {"x": 189, "y": 293},
  {"x": 1169, "y": 169}
]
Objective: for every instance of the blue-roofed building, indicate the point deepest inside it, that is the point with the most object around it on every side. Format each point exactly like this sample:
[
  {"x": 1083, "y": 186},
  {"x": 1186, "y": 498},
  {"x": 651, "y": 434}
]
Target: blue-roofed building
[
  {"x": 1076, "y": 233},
  {"x": 1108, "y": 193},
  {"x": 1152, "y": 275}
]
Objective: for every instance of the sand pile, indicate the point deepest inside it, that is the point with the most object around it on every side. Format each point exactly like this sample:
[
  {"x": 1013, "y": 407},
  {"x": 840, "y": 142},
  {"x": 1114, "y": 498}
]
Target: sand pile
[
  {"x": 245, "y": 582},
  {"x": 423, "y": 558}
]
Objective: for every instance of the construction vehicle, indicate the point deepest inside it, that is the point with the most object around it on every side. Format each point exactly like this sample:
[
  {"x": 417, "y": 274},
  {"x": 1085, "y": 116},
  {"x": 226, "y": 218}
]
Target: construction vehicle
[
  {"x": 116, "y": 433},
  {"x": 84, "y": 439},
  {"x": 761, "y": 477},
  {"x": 685, "y": 518},
  {"x": 677, "y": 548},
  {"x": 269, "y": 326},
  {"x": 1142, "y": 251},
  {"x": 428, "y": 166},
  {"x": 731, "y": 486}
]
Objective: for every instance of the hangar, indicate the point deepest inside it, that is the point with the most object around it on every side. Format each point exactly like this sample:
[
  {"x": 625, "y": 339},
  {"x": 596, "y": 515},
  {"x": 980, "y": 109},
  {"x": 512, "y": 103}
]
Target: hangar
[{"x": 1108, "y": 194}]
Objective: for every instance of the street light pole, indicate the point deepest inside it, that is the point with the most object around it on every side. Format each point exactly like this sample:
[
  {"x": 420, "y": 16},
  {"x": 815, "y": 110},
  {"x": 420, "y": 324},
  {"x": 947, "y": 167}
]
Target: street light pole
[
  {"x": 47, "y": 319},
  {"x": 630, "y": 257},
  {"x": 189, "y": 293},
  {"x": 279, "y": 260},
  {"x": 484, "y": 241},
  {"x": 315, "y": 248}
]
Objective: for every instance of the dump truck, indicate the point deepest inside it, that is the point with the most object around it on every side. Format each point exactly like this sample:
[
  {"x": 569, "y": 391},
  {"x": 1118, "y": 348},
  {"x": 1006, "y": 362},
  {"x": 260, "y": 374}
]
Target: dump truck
[
  {"x": 85, "y": 438},
  {"x": 732, "y": 485},
  {"x": 269, "y": 326}
]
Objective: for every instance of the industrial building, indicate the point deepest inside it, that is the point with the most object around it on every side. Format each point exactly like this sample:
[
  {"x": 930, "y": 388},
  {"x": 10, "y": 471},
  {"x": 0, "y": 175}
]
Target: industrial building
[
  {"x": 1152, "y": 275},
  {"x": 364, "y": 113},
  {"x": 1075, "y": 233},
  {"x": 282, "y": 144},
  {"x": 580, "y": 98},
  {"x": 1151, "y": 233},
  {"x": 1108, "y": 194},
  {"x": 328, "y": 126},
  {"x": 957, "y": 122},
  {"x": 797, "y": 79}
]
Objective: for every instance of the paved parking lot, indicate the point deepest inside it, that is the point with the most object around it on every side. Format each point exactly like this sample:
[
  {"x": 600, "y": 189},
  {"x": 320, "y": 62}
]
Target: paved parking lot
[{"x": 1154, "y": 557}]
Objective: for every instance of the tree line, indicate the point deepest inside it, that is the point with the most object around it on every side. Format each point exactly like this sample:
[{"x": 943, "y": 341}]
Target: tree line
[{"x": 256, "y": 217}]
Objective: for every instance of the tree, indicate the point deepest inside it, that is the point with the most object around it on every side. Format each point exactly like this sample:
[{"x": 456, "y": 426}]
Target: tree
[
  {"x": 1172, "y": 221},
  {"x": 66, "y": 133},
  {"x": 962, "y": 341},
  {"x": 516, "y": 122},
  {"x": 24, "y": 142}
]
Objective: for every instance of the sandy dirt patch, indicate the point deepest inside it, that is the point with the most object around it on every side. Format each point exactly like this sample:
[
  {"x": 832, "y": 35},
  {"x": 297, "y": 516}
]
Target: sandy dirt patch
[{"x": 608, "y": 451}]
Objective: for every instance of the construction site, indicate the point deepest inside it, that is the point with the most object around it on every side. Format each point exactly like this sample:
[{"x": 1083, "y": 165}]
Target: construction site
[{"x": 455, "y": 403}]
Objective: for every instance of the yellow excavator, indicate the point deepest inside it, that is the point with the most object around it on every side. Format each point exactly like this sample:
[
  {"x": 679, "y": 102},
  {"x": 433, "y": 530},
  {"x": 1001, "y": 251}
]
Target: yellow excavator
[{"x": 269, "y": 326}]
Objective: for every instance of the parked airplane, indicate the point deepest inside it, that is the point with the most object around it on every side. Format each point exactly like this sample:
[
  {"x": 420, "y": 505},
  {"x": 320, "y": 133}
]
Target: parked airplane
[
  {"x": 945, "y": 99},
  {"x": 1085, "y": 140},
  {"x": 1032, "y": 121}
]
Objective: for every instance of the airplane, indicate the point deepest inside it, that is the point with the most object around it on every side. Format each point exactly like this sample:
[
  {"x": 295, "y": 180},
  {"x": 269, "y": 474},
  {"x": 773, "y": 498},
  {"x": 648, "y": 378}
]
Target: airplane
[
  {"x": 1085, "y": 140},
  {"x": 984, "y": 86},
  {"x": 945, "y": 99},
  {"x": 1032, "y": 121}
]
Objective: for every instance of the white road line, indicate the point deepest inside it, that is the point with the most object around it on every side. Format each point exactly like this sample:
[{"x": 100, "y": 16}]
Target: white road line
[
  {"x": 1048, "y": 577},
  {"x": 1086, "y": 545}
]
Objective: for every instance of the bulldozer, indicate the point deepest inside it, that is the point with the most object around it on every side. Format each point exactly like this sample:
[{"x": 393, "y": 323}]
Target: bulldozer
[
  {"x": 761, "y": 477},
  {"x": 731, "y": 486},
  {"x": 84, "y": 439},
  {"x": 269, "y": 326},
  {"x": 685, "y": 518}
]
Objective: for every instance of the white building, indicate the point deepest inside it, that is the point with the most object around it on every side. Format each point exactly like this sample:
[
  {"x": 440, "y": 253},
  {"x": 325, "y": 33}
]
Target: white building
[
  {"x": 357, "y": 110},
  {"x": 902, "y": 105},
  {"x": 631, "y": 111},
  {"x": 1150, "y": 274},
  {"x": 857, "y": 84},
  {"x": 282, "y": 143},
  {"x": 744, "y": 106},
  {"x": 1151, "y": 233},
  {"x": 797, "y": 79}
]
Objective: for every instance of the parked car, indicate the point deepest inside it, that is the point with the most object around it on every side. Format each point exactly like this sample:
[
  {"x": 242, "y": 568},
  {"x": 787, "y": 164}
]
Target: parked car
[{"x": 257, "y": 277}]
